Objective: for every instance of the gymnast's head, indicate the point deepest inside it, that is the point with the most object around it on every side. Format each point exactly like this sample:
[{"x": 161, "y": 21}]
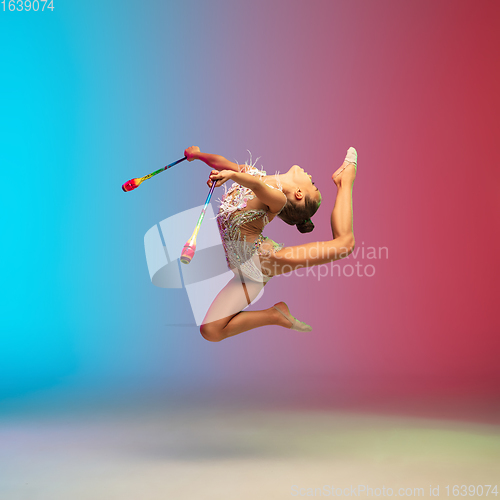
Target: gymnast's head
[{"x": 303, "y": 199}]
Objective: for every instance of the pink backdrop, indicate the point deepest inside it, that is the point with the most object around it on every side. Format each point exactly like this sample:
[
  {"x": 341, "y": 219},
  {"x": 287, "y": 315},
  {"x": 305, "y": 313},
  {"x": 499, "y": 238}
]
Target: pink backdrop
[{"x": 414, "y": 87}]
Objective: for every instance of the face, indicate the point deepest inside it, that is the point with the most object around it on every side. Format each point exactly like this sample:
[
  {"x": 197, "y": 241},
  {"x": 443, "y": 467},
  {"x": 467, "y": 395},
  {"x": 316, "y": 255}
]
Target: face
[{"x": 305, "y": 183}]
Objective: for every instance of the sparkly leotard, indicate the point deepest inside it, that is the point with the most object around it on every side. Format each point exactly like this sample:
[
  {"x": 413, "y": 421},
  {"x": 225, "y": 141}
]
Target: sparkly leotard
[{"x": 232, "y": 218}]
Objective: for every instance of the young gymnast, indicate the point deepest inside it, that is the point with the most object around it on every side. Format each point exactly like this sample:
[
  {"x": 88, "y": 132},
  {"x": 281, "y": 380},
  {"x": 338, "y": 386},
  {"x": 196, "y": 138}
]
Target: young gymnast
[{"x": 246, "y": 208}]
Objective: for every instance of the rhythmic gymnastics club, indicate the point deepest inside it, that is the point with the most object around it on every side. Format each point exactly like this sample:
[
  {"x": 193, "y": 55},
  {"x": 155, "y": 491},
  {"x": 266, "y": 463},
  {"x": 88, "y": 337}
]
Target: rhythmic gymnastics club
[
  {"x": 190, "y": 247},
  {"x": 135, "y": 183}
]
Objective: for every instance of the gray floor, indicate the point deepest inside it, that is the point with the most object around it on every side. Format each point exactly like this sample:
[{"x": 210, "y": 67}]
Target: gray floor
[{"x": 229, "y": 453}]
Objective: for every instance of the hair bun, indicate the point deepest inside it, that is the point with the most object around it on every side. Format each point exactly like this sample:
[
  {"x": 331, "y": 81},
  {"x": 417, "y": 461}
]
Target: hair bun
[{"x": 306, "y": 226}]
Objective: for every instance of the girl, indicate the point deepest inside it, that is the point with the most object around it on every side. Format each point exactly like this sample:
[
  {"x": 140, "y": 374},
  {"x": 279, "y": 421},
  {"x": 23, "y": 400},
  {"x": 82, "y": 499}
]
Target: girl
[{"x": 247, "y": 207}]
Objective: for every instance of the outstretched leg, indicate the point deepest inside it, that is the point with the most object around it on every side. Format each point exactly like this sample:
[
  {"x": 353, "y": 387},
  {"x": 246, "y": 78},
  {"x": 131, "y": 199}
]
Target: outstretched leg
[{"x": 321, "y": 252}]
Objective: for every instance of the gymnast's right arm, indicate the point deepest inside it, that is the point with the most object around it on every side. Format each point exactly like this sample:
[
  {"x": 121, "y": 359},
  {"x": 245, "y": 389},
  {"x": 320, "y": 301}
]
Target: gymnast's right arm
[{"x": 216, "y": 162}]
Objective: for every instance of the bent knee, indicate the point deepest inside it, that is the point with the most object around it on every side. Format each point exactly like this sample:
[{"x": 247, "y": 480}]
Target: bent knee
[{"x": 211, "y": 333}]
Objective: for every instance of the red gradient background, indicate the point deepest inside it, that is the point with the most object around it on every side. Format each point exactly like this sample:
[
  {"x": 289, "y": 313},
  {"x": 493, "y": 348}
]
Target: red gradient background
[{"x": 414, "y": 87}]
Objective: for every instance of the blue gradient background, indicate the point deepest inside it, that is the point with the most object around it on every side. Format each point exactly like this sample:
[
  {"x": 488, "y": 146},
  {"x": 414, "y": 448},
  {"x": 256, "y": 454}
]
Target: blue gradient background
[{"x": 95, "y": 93}]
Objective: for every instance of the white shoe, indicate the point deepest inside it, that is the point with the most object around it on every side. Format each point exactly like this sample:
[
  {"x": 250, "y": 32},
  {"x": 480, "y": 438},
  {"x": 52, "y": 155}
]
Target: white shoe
[
  {"x": 351, "y": 157},
  {"x": 297, "y": 325}
]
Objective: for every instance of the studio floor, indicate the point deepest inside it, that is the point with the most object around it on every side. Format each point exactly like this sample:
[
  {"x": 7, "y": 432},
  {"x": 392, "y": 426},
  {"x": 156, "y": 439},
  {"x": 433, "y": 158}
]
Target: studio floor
[{"x": 223, "y": 452}]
